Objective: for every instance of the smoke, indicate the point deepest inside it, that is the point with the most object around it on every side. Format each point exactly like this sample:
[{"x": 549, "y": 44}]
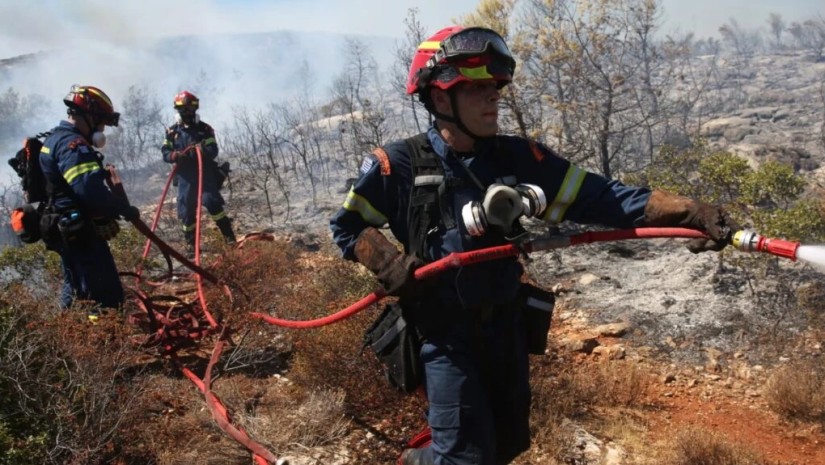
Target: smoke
[{"x": 231, "y": 53}]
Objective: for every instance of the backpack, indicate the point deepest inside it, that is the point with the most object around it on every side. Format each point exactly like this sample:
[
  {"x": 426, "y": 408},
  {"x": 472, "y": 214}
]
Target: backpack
[
  {"x": 26, "y": 163},
  {"x": 26, "y": 219}
]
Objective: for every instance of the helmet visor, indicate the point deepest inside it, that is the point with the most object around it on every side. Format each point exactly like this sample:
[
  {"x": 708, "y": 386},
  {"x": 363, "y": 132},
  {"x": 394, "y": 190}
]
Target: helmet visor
[
  {"x": 111, "y": 119},
  {"x": 471, "y": 42},
  {"x": 493, "y": 67}
]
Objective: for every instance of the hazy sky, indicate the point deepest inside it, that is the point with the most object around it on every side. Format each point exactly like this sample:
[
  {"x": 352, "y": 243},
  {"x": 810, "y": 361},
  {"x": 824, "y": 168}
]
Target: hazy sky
[
  {"x": 114, "y": 44},
  {"x": 31, "y": 25}
]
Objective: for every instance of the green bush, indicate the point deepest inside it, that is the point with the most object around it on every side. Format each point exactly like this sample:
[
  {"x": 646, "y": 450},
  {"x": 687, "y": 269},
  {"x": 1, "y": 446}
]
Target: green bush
[{"x": 770, "y": 198}]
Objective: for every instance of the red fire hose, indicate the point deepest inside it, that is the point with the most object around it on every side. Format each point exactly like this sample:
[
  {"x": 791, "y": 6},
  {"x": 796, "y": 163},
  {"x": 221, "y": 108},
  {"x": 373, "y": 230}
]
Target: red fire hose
[
  {"x": 186, "y": 326},
  {"x": 744, "y": 240},
  {"x": 459, "y": 259}
]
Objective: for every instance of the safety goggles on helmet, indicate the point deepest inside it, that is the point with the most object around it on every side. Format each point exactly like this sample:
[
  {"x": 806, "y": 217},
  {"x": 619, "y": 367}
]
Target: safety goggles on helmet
[
  {"x": 496, "y": 68},
  {"x": 471, "y": 42}
]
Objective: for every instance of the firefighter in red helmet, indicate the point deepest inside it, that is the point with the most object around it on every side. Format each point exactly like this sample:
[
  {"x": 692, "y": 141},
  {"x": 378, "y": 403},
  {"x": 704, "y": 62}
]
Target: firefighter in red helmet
[
  {"x": 463, "y": 186},
  {"x": 82, "y": 209},
  {"x": 179, "y": 148}
]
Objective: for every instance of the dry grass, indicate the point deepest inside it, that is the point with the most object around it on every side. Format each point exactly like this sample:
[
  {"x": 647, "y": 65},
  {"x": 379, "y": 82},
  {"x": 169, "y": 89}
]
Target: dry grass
[
  {"x": 580, "y": 393},
  {"x": 797, "y": 391},
  {"x": 699, "y": 447}
]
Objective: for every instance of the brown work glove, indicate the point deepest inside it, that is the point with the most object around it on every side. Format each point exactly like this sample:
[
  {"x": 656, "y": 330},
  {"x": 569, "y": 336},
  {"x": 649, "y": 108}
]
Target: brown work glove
[
  {"x": 105, "y": 228},
  {"x": 666, "y": 209},
  {"x": 394, "y": 270}
]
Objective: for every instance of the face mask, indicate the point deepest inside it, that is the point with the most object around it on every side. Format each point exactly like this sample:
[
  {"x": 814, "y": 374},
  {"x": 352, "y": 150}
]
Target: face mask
[
  {"x": 98, "y": 139},
  {"x": 187, "y": 118}
]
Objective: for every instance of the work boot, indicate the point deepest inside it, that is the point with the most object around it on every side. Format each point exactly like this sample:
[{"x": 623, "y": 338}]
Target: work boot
[
  {"x": 190, "y": 244},
  {"x": 421, "y": 456},
  {"x": 225, "y": 226}
]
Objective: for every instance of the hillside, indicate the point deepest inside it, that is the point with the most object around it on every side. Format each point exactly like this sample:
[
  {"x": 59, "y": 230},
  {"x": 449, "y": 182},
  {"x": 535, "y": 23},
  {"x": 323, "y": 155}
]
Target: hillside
[{"x": 696, "y": 344}]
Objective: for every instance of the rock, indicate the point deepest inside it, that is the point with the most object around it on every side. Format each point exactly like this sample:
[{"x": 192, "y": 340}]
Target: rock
[
  {"x": 588, "y": 278},
  {"x": 583, "y": 344},
  {"x": 614, "y": 352},
  {"x": 668, "y": 378},
  {"x": 759, "y": 114},
  {"x": 716, "y": 128},
  {"x": 586, "y": 449},
  {"x": 612, "y": 329}
]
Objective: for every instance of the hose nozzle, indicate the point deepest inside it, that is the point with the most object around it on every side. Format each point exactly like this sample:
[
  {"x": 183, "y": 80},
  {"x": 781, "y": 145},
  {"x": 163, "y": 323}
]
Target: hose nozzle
[{"x": 749, "y": 241}]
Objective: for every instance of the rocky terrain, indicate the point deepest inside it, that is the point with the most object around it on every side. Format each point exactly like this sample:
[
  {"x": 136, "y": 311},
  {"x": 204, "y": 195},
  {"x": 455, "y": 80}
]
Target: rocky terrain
[
  {"x": 707, "y": 329},
  {"x": 710, "y": 328}
]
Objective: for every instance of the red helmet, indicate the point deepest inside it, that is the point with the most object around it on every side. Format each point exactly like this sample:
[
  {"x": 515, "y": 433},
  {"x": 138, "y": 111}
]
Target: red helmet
[
  {"x": 92, "y": 101},
  {"x": 457, "y": 54},
  {"x": 186, "y": 100}
]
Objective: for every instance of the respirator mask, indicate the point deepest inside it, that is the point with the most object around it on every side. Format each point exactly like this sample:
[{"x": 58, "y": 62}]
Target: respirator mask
[
  {"x": 502, "y": 206},
  {"x": 187, "y": 117},
  {"x": 98, "y": 139}
]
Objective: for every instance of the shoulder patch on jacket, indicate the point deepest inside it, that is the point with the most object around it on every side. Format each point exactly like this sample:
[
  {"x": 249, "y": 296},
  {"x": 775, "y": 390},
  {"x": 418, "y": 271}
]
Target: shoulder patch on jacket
[
  {"x": 536, "y": 150},
  {"x": 79, "y": 142},
  {"x": 384, "y": 160}
]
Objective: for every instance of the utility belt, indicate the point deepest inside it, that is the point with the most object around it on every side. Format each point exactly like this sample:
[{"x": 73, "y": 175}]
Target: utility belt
[
  {"x": 69, "y": 227},
  {"x": 396, "y": 341}
]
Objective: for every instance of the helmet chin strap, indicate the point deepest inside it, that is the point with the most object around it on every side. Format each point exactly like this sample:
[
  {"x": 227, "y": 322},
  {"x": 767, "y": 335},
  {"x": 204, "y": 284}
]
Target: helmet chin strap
[
  {"x": 457, "y": 118},
  {"x": 90, "y": 125}
]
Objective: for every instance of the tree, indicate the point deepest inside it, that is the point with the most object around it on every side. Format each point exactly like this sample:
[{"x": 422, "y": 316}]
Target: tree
[
  {"x": 414, "y": 36},
  {"x": 18, "y": 114},
  {"x": 743, "y": 43},
  {"x": 136, "y": 141},
  {"x": 810, "y": 36},
  {"x": 777, "y": 26},
  {"x": 257, "y": 142},
  {"x": 359, "y": 94},
  {"x": 598, "y": 70}
]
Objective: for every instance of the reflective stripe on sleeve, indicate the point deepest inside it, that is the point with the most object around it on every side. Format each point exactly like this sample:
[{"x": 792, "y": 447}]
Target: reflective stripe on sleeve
[
  {"x": 358, "y": 204},
  {"x": 80, "y": 169},
  {"x": 568, "y": 192}
]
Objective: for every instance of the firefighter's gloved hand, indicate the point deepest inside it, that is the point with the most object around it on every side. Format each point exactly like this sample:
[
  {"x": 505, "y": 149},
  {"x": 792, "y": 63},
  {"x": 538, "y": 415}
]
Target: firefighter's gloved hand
[
  {"x": 132, "y": 213},
  {"x": 717, "y": 223},
  {"x": 666, "y": 209},
  {"x": 178, "y": 156},
  {"x": 394, "y": 270},
  {"x": 398, "y": 277},
  {"x": 106, "y": 228}
]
